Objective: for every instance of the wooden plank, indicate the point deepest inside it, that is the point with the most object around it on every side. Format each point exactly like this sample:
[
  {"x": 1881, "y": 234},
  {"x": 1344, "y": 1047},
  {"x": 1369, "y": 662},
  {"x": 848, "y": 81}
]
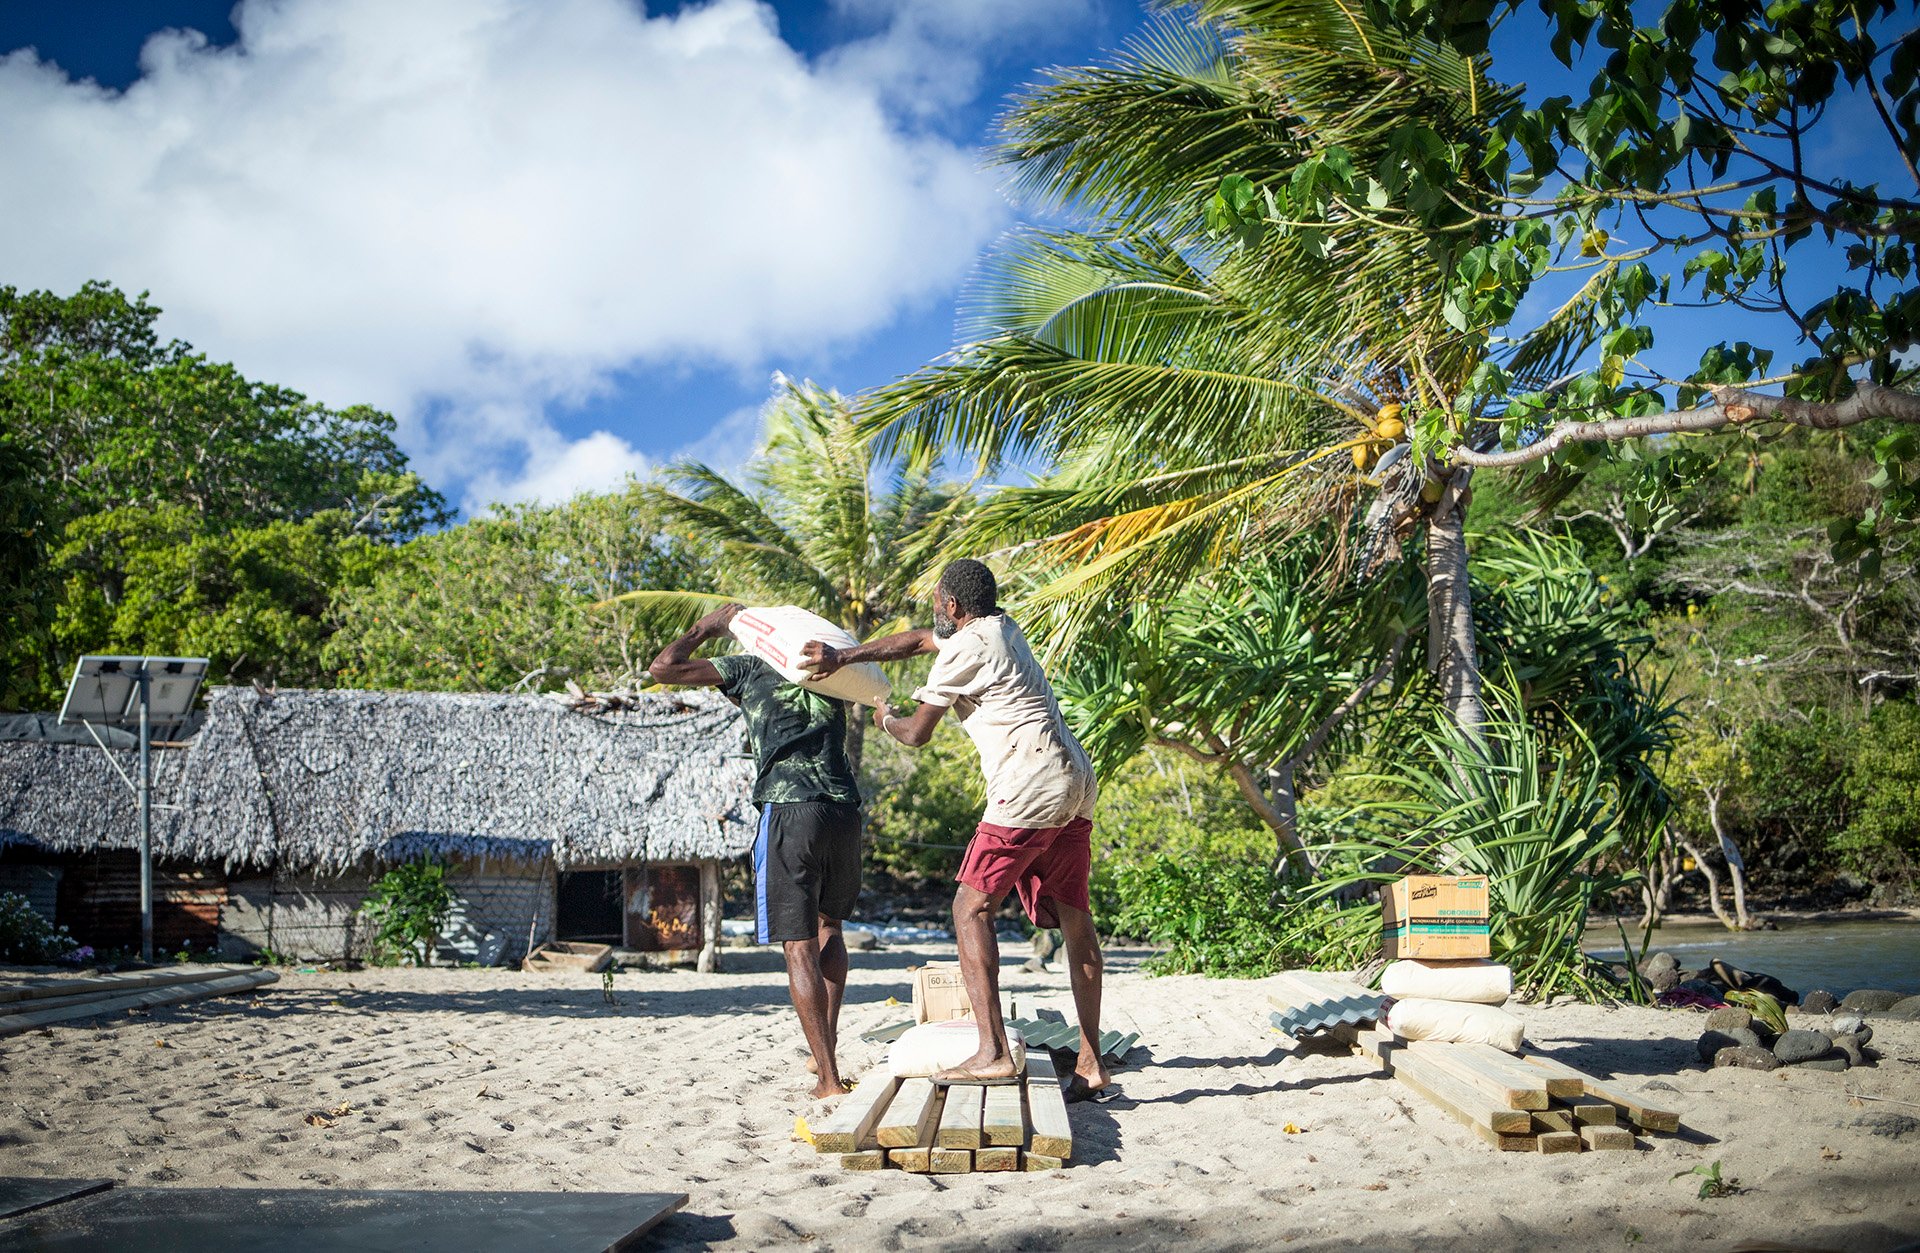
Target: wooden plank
[
  {"x": 849, "y": 1129},
  {"x": 992, "y": 1159},
  {"x": 152, "y": 998},
  {"x": 1606, "y": 1138},
  {"x": 1472, "y": 1068},
  {"x": 17, "y": 998},
  {"x": 950, "y": 1162},
  {"x": 1588, "y": 1112},
  {"x": 1040, "y": 1161},
  {"x": 1047, "y": 1108},
  {"x": 867, "y": 1159},
  {"x": 1469, "y": 1104},
  {"x": 910, "y": 1116},
  {"x": 1003, "y": 1120},
  {"x": 1560, "y": 1142},
  {"x": 1562, "y": 1079},
  {"x": 918, "y": 1160},
  {"x": 960, "y": 1117},
  {"x": 1640, "y": 1115},
  {"x": 1552, "y": 1120}
]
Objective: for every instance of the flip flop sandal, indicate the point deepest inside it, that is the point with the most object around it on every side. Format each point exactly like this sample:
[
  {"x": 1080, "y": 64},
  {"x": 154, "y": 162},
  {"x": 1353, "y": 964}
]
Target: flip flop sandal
[{"x": 1078, "y": 1091}]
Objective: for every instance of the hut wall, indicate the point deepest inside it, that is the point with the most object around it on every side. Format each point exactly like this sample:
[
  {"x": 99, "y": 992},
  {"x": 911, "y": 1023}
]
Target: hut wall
[
  {"x": 307, "y": 917},
  {"x": 38, "y": 881},
  {"x": 99, "y": 903},
  {"x": 497, "y": 904}
]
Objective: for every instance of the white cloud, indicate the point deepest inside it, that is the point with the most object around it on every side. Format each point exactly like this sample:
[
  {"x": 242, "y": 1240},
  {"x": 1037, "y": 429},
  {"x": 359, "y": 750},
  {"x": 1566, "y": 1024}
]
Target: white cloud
[
  {"x": 930, "y": 54},
  {"x": 557, "y": 469},
  {"x": 730, "y": 443},
  {"x": 469, "y": 210}
]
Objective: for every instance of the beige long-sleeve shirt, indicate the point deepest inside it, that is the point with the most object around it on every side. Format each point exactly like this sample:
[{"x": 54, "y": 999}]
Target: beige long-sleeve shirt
[{"x": 1037, "y": 774}]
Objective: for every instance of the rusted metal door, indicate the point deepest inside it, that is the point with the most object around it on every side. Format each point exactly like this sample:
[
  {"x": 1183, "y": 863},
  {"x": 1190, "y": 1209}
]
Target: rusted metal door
[{"x": 663, "y": 908}]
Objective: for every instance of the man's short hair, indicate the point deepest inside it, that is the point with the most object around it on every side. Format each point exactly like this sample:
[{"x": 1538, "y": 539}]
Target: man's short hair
[{"x": 972, "y": 587}]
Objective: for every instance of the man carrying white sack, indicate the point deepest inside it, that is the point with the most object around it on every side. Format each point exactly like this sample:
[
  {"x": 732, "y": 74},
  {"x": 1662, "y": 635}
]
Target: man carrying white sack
[
  {"x": 806, "y": 860},
  {"x": 1036, "y": 836}
]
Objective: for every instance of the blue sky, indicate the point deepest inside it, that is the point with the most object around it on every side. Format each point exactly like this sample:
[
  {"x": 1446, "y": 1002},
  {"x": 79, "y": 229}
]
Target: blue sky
[{"x": 562, "y": 240}]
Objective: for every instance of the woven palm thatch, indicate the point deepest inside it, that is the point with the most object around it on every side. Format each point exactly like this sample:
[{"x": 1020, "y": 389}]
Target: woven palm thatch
[{"x": 325, "y": 780}]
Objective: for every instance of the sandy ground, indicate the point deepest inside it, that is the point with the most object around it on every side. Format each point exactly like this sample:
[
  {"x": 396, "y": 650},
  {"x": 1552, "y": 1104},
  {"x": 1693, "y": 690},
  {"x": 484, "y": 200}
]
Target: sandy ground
[{"x": 494, "y": 1080}]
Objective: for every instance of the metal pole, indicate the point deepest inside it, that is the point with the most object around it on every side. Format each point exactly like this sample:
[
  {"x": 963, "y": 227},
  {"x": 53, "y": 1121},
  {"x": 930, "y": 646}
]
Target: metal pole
[{"x": 146, "y": 826}]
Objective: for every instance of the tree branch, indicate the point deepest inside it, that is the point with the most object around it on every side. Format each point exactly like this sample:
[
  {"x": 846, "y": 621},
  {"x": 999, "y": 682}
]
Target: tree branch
[{"x": 1732, "y": 406}]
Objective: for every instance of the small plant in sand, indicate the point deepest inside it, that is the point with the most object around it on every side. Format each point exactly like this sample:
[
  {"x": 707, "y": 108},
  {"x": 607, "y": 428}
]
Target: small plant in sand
[
  {"x": 1712, "y": 1184},
  {"x": 408, "y": 907}
]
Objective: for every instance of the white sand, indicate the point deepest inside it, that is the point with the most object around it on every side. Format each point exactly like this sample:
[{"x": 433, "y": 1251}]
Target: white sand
[{"x": 493, "y": 1080}]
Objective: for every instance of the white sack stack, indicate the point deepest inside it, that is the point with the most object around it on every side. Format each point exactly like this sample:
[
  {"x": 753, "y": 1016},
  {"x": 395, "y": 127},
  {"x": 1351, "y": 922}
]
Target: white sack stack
[
  {"x": 1473, "y": 979},
  {"x": 1456, "y": 1002}
]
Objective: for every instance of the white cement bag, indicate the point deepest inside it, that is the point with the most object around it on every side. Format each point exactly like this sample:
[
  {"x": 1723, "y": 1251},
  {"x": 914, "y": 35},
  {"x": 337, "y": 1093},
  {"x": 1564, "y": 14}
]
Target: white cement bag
[
  {"x": 1471, "y": 979},
  {"x": 777, "y": 635},
  {"x": 932, "y": 1047},
  {"x": 1455, "y": 1022}
]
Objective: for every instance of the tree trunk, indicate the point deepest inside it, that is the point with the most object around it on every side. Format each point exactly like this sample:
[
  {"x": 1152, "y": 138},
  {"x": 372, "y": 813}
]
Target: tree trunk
[
  {"x": 1736, "y": 867},
  {"x": 1452, "y": 657},
  {"x": 1276, "y": 810},
  {"x": 1713, "y": 884}
]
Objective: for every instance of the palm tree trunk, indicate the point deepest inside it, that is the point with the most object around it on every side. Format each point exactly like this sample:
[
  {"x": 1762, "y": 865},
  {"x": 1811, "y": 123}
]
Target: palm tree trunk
[{"x": 1452, "y": 657}]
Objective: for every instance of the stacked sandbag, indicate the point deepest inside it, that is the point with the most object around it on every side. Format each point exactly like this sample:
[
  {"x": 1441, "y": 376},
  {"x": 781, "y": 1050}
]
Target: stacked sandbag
[
  {"x": 926, "y": 1050},
  {"x": 1452, "y": 1001}
]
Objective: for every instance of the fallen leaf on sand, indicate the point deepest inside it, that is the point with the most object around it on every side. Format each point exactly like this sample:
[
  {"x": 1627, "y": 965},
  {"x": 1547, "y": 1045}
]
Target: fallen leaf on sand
[
  {"x": 801, "y": 1131},
  {"x": 1292, "y": 1130},
  {"x": 1373, "y": 1187},
  {"x": 318, "y": 1120},
  {"x": 159, "y": 1044},
  {"x": 1828, "y": 1155},
  {"x": 893, "y": 1000},
  {"x": 342, "y": 1110}
]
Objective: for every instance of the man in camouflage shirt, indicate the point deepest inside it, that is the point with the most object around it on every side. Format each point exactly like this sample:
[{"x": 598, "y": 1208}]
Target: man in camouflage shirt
[{"x": 806, "y": 860}]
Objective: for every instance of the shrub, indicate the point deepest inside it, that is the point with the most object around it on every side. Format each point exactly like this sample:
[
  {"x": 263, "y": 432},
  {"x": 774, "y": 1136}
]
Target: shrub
[
  {"x": 1883, "y": 784},
  {"x": 26, "y": 936},
  {"x": 1214, "y": 915},
  {"x": 408, "y": 907}
]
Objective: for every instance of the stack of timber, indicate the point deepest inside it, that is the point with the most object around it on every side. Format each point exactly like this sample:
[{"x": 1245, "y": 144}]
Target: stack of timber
[
  {"x": 1514, "y": 1103},
  {"x": 44, "y": 1002},
  {"x": 918, "y": 1126}
]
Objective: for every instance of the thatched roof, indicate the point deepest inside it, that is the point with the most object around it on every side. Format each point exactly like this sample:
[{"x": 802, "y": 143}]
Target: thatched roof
[{"x": 325, "y": 780}]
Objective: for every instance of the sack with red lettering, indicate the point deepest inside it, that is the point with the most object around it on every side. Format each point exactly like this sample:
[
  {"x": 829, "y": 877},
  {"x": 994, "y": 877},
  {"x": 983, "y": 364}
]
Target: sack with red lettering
[{"x": 777, "y": 635}]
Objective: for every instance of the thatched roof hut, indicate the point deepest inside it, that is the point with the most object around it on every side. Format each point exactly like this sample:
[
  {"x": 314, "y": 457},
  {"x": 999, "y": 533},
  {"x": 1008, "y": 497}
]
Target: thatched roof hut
[{"x": 326, "y": 780}]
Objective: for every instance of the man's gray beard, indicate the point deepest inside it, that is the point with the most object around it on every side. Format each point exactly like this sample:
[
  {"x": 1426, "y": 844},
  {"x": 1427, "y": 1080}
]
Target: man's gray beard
[{"x": 943, "y": 626}]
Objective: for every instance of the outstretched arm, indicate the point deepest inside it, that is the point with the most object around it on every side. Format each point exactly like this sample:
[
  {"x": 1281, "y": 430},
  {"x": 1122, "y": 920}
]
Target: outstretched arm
[
  {"x": 824, "y": 659},
  {"x": 913, "y": 729},
  {"x": 677, "y": 666}
]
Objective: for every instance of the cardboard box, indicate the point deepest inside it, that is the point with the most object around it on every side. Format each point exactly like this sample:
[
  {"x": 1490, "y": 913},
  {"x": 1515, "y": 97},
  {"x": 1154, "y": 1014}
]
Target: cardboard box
[
  {"x": 1435, "y": 916},
  {"x": 939, "y": 994}
]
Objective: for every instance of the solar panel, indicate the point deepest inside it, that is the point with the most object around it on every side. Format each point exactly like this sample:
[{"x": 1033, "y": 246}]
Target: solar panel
[{"x": 103, "y": 689}]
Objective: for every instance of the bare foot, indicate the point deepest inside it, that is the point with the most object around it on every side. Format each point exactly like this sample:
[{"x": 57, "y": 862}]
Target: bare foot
[
  {"x": 1091, "y": 1071},
  {"x": 825, "y": 1088},
  {"x": 982, "y": 1065}
]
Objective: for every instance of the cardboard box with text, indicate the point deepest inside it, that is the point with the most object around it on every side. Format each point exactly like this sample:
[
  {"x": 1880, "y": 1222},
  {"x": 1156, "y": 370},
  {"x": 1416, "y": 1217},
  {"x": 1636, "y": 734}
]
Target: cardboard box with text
[{"x": 1435, "y": 916}]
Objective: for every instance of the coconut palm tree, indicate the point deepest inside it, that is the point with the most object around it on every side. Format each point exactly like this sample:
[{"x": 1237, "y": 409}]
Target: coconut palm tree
[
  {"x": 815, "y": 520},
  {"x": 1251, "y": 339}
]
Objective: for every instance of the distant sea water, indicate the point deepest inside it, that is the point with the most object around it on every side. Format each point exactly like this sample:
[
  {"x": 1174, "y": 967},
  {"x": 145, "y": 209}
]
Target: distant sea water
[{"x": 1836, "y": 956}]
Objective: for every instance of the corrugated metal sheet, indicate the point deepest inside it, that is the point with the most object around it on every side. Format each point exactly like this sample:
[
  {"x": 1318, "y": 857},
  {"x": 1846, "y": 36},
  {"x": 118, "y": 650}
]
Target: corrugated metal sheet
[{"x": 1303, "y": 1020}]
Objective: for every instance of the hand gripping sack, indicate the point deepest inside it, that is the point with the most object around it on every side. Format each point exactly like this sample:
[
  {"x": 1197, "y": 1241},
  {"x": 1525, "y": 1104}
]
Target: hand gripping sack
[
  {"x": 777, "y": 635},
  {"x": 931, "y": 1047}
]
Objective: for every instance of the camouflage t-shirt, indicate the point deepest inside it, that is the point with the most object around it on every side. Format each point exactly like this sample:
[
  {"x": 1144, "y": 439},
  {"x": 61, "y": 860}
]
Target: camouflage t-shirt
[{"x": 799, "y": 737}]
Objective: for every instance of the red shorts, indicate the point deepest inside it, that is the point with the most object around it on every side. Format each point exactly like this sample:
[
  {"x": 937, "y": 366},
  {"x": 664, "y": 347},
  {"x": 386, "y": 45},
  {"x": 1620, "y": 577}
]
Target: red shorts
[{"x": 1042, "y": 864}]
